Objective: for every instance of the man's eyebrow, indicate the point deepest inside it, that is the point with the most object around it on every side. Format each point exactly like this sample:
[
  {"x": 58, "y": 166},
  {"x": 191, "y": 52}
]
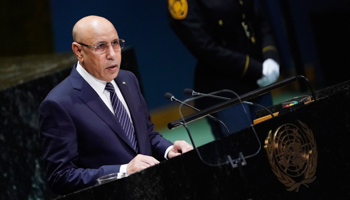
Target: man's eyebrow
[{"x": 103, "y": 41}]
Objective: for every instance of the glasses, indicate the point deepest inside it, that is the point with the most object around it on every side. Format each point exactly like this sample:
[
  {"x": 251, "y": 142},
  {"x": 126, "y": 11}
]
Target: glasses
[{"x": 102, "y": 47}]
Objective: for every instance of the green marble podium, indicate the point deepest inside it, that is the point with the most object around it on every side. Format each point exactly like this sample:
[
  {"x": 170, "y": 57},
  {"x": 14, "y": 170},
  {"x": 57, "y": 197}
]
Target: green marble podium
[
  {"x": 26, "y": 81},
  {"x": 317, "y": 156}
]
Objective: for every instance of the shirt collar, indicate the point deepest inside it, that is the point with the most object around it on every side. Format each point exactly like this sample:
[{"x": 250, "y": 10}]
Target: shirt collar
[{"x": 96, "y": 84}]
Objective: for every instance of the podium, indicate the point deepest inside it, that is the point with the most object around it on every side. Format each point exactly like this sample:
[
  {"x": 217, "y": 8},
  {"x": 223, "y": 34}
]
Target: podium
[{"x": 323, "y": 172}]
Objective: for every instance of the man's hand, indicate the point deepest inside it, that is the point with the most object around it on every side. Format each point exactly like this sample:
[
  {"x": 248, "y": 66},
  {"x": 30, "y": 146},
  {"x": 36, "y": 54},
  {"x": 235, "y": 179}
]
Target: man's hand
[
  {"x": 179, "y": 148},
  {"x": 140, "y": 162}
]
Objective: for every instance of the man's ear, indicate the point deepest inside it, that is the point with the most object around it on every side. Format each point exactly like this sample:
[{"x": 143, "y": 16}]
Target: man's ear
[{"x": 77, "y": 49}]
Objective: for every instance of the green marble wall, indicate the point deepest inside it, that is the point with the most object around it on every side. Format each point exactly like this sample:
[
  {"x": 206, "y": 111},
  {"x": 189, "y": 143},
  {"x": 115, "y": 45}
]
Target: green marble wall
[{"x": 24, "y": 83}]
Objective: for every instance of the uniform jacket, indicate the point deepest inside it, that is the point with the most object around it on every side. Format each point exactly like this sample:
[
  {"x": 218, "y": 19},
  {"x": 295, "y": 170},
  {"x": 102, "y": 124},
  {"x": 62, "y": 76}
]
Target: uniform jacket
[{"x": 213, "y": 32}]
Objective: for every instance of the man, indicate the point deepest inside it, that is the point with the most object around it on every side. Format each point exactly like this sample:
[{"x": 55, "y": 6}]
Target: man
[{"x": 82, "y": 137}]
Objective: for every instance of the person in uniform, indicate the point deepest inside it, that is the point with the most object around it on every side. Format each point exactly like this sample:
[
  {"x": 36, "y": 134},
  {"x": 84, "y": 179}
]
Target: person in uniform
[{"x": 234, "y": 48}]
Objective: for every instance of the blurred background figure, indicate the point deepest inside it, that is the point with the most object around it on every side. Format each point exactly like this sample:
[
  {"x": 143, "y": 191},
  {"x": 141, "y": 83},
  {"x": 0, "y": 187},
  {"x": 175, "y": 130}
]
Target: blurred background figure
[{"x": 234, "y": 48}]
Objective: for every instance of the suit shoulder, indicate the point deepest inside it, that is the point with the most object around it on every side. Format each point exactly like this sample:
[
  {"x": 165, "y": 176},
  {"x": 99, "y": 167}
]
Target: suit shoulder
[
  {"x": 60, "y": 90},
  {"x": 123, "y": 72}
]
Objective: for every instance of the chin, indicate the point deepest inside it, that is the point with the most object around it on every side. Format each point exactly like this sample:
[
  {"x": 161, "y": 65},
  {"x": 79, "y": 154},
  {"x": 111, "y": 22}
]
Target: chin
[{"x": 111, "y": 78}]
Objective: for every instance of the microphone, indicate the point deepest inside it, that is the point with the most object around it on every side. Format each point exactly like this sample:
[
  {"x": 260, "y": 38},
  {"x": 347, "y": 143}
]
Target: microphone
[
  {"x": 171, "y": 97},
  {"x": 191, "y": 92}
]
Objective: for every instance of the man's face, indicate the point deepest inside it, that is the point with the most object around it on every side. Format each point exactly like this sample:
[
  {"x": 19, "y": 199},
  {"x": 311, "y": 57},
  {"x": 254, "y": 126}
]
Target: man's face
[{"x": 103, "y": 66}]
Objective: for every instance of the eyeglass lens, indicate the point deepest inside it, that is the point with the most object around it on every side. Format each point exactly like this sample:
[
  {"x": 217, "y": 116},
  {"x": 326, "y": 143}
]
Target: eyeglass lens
[{"x": 103, "y": 46}]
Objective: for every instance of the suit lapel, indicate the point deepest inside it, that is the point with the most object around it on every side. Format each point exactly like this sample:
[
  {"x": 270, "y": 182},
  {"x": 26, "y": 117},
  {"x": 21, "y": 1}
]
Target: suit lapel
[{"x": 89, "y": 96}]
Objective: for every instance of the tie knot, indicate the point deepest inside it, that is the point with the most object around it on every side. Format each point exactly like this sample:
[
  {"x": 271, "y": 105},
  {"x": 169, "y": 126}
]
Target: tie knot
[{"x": 109, "y": 87}]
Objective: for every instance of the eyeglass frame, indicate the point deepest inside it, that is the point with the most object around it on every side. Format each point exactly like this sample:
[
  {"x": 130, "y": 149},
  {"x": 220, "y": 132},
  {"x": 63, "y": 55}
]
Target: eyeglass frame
[{"x": 121, "y": 43}]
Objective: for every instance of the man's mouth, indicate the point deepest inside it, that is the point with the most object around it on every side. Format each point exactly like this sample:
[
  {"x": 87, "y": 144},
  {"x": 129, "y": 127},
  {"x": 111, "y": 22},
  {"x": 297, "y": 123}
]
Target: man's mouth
[{"x": 112, "y": 67}]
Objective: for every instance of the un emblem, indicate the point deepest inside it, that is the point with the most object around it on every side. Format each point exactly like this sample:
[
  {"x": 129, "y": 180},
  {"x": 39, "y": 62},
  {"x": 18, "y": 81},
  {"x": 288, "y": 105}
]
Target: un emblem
[{"x": 292, "y": 154}]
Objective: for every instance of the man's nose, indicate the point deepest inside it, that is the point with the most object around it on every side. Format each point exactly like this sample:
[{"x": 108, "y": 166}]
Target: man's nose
[{"x": 110, "y": 51}]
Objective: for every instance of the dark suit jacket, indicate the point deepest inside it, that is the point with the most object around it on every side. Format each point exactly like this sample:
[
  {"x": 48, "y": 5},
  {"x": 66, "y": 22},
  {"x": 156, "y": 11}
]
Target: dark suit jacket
[{"x": 81, "y": 138}]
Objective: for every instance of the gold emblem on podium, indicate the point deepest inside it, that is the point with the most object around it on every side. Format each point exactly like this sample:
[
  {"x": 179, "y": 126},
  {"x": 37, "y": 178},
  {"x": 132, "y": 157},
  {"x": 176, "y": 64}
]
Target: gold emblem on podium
[{"x": 292, "y": 154}]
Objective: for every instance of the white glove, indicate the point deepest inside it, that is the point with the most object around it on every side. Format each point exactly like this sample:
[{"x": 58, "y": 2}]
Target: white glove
[{"x": 271, "y": 71}]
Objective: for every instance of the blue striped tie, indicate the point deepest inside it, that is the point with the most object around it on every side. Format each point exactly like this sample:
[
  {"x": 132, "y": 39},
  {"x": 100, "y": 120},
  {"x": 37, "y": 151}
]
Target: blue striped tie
[{"x": 122, "y": 116}]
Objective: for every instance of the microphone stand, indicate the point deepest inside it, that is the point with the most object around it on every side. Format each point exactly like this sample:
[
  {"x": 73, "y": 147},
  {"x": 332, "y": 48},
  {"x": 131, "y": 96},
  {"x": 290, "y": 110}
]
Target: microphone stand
[
  {"x": 194, "y": 93},
  {"x": 234, "y": 162},
  {"x": 232, "y": 102},
  {"x": 171, "y": 97}
]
